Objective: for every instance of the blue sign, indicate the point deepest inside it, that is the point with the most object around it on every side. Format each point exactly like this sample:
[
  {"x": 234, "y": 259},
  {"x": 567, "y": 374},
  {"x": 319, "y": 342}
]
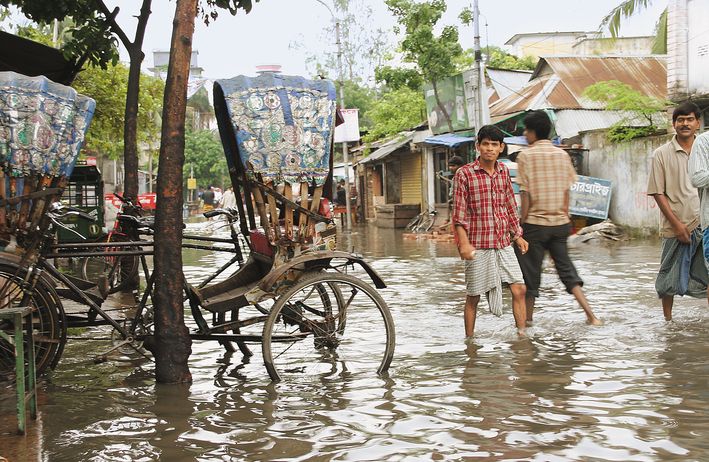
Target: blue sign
[{"x": 590, "y": 197}]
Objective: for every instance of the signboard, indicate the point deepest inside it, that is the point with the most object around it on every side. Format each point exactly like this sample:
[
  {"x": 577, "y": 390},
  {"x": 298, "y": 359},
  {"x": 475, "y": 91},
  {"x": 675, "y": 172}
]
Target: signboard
[
  {"x": 452, "y": 96},
  {"x": 348, "y": 131},
  {"x": 590, "y": 197}
]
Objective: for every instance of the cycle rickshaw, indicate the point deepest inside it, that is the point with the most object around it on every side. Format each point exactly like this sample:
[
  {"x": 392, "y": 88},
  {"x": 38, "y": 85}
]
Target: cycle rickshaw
[{"x": 296, "y": 295}]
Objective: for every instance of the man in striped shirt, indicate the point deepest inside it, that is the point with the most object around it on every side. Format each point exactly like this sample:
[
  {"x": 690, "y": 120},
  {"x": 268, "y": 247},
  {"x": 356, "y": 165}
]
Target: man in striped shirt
[
  {"x": 544, "y": 176},
  {"x": 486, "y": 224}
]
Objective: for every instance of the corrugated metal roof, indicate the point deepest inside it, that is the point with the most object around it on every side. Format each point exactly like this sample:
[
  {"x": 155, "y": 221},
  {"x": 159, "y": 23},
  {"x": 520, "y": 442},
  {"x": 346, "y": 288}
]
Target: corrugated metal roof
[
  {"x": 558, "y": 82},
  {"x": 390, "y": 146},
  {"x": 506, "y": 82}
]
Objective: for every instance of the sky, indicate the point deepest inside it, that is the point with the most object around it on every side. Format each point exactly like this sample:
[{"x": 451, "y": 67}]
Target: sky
[{"x": 234, "y": 45}]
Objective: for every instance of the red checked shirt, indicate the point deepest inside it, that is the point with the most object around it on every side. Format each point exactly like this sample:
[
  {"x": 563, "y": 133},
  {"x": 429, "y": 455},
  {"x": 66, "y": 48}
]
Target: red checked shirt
[{"x": 485, "y": 206}]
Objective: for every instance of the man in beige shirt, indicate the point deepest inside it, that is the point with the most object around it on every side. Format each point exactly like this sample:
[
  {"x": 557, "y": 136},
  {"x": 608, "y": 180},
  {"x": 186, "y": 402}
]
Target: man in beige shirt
[
  {"x": 682, "y": 269},
  {"x": 544, "y": 175}
]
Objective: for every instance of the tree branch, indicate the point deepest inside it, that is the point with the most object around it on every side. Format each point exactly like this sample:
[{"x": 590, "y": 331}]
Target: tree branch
[{"x": 111, "y": 18}]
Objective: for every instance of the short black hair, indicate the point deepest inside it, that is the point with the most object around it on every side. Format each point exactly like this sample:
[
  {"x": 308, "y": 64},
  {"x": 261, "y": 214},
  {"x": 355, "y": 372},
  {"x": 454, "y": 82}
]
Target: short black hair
[
  {"x": 457, "y": 161},
  {"x": 490, "y": 132},
  {"x": 686, "y": 109},
  {"x": 539, "y": 123}
]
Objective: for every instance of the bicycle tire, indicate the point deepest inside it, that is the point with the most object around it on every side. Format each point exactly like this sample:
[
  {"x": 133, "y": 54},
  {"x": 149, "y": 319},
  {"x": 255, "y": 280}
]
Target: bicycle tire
[
  {"x": 326, "y": 321},
  {"x": 48, "y": 318},
  {"x": 120, "y": 271}
]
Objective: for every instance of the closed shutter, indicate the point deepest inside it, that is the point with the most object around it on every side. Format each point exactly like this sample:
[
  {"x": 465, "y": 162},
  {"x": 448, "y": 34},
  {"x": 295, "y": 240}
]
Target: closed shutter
[{"x": 411, "y": 179}]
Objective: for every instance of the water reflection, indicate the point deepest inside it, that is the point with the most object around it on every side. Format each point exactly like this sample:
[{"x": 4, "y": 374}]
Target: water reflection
[{"x": 633, "y": 389}]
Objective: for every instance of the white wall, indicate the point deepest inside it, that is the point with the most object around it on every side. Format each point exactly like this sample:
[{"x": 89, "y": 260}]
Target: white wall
[
  {"x": 627, "y": 165},
  {"x": 698, "y": 47}
]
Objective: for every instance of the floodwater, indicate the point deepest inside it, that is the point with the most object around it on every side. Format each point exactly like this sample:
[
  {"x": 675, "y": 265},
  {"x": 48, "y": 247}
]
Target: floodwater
[{"x": 635, "y": 389}]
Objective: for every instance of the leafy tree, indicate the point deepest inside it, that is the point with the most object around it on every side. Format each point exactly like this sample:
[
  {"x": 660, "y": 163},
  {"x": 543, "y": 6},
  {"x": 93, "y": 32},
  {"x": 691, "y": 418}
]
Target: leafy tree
[
  {"x": 397, "y": 77},
  {"x": 500, "y": 59},
  {"x": 204, "y": 156},
  {"x": 107, "y": 87},
  {"x": 362, "y": 47},
  {"x": 396, "y": 111},
  {"x": 360, "y": 97},
  {"x": 434, "y": 55},
  {"x": 618, "y": 96}
]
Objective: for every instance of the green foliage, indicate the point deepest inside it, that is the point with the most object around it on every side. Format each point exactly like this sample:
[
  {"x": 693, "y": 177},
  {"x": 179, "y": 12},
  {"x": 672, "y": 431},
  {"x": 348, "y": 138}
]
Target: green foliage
[
  {"x": 626, "y": 9},
  {"x": 108, "y": 87},
  {"x": 360, "y": 97},
  {"x": 205, "y": 156},
  {"x": 618, "y": 96},
  {"x": 659, "y": 43},
  {"x": 209, "y": 10},
  {"x": 500, "y": 59},
  {"x": 396, "y": 111},
  {"x": 397, "y": 77},
  {"x": 434, "y": 55}
]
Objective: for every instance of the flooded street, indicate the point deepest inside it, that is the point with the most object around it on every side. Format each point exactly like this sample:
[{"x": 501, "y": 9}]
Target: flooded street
[{"x": 635, "y": 389}]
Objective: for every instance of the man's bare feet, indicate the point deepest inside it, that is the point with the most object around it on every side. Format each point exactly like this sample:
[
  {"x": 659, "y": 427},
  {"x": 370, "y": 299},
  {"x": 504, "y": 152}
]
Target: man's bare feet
[{"x": 594, "y": 321}]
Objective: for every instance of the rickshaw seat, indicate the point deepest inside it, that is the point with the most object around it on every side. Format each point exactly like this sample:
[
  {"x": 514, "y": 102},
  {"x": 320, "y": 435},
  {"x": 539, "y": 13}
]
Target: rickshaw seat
[
  {"x": 231, "y": 293},
  {"x": 259, "y": 243}
]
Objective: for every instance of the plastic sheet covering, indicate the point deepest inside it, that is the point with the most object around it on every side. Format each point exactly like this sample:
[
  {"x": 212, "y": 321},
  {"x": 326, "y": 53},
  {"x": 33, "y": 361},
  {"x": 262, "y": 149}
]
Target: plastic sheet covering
[
  {"x": 283, "y": 125},
  {"x": 42, "y": 125}
]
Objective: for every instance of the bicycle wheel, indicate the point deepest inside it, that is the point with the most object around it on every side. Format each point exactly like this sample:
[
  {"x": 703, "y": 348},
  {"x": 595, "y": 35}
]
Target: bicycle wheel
[
  {"x": 414, "y": 222},
  {"x": 119, "y": 270},
  {"x": 48, "y": 319},
  {"x": 425, "y": 225},
  {"x": 328, "y": 324}
]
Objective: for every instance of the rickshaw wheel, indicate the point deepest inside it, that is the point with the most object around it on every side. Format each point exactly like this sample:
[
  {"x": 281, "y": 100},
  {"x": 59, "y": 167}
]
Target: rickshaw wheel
[
  {"x": 49, "y": 321},
  {"x": 328, "y": 324},
  {"x": 120, "y": 271}
]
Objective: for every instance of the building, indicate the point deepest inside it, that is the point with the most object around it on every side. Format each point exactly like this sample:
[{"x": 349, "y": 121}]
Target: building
[
  {"x": 620, "y": 46},
  {"x": 537, "y": 44},
  {"x": 557, "y": 85},
  {"x": 688, "y": 52}
]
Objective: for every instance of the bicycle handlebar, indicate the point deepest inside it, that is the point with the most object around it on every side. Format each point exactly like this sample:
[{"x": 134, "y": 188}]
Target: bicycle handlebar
[{"x": 228, "y": 212}]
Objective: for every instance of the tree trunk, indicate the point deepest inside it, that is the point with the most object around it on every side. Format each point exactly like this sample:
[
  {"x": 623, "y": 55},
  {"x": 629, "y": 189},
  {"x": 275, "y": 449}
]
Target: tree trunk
[
  {"x": 130, "y": 122},
  {"x": 130, "y": 127},
  {"x": 172, "y": 341},
  {"x": 441, "y": 107}
]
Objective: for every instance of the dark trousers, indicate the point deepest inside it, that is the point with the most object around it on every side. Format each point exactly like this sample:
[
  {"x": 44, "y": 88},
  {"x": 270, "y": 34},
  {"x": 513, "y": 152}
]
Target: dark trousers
[{"x": 542, "y": 238}]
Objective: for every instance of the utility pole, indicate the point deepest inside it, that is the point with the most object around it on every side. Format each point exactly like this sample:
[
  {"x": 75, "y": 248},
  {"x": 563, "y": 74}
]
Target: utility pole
[
  {"x": 345, "y": 154},
  {"x": 482, "y": 113}
]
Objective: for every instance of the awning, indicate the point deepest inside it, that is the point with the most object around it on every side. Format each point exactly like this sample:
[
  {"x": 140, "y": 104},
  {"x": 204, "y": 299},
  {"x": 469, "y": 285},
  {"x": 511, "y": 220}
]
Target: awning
[
  {"x": 389, "y": 147},
  {"x": 522, "y": 141},
  {"x": 449, "y": 139}
]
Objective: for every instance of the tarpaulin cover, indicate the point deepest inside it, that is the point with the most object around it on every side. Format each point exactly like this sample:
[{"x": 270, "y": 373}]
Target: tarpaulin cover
[
  {"x": 449, "y": 140},
  {"x": 42, "y": 125},
  {"x": 27, "y": 57},
  {"x": 283, "y": 125}
]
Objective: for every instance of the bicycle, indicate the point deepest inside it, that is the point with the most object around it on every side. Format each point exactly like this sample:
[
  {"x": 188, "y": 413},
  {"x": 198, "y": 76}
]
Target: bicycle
[
  {"x": 423, "y": 222},
  {"x": 118, "y": 271}
]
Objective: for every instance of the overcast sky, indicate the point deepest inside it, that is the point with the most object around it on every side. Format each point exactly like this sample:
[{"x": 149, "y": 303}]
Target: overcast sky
[{"x": 234, "y": 45}]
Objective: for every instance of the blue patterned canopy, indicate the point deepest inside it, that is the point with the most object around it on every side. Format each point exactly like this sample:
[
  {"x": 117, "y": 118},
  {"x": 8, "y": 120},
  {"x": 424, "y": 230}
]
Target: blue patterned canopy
[
  {"x": 42, "y": 125},
  {"x": 283, "y": 125}
]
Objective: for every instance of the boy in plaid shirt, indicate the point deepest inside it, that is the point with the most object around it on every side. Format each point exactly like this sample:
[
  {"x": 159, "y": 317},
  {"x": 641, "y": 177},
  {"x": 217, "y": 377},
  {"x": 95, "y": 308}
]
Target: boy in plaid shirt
[{"x": 486, "y": 225}]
